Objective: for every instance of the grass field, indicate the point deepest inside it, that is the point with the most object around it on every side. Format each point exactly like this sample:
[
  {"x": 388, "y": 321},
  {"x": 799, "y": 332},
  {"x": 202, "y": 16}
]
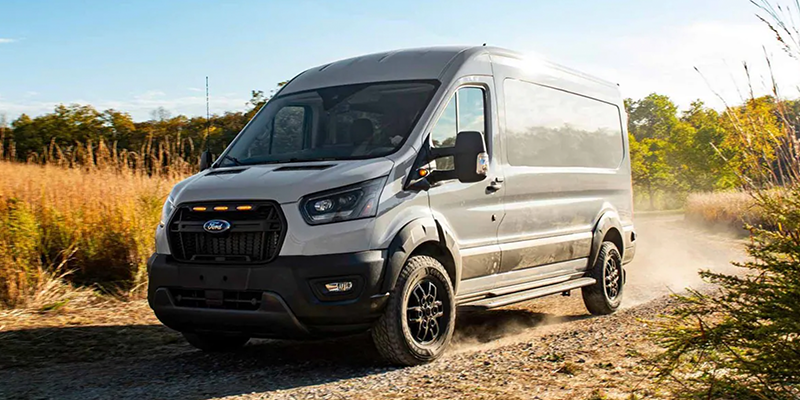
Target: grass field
[
  {"x": 71, "y": 233},
  {"x": 734, "y": 209},
  {"x": 91, "y": 226}
]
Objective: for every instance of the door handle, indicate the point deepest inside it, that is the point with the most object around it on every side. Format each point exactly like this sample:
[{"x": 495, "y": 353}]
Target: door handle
[{"x": 495, "y": 185}]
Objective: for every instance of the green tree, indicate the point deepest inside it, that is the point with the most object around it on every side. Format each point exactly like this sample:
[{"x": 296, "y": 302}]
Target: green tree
[
  {"x": 652, "y": 117},
  {"x": 121, "y": 127},
  {"x": 5, "y": 131},
  {"x": 698, "y": 153},
  {"x": 758, "y": 129},
  {"x": 650, "y": 123}
]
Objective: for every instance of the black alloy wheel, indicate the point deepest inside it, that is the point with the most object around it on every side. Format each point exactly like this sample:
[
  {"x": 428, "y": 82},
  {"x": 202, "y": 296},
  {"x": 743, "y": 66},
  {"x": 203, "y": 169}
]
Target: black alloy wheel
[{"x": 424, "y": 312}]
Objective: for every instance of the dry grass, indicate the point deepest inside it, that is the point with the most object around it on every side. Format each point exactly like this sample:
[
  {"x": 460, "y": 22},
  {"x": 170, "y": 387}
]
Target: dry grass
[
  {"x": 734, "y": 208},
  {"x": 93, "y": 222}
]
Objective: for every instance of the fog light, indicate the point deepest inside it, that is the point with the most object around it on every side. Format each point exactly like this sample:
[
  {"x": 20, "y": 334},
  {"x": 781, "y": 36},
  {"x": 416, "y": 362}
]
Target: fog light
[{"x": 338, "y": 287}]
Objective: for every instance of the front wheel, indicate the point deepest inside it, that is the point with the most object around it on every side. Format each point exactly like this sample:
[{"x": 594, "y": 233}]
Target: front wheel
[
  {"x": 420, "y": 316},
  {"x": 605, "y": 296}
]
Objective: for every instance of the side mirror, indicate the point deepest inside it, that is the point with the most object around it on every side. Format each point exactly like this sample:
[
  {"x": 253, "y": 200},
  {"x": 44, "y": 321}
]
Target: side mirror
[
  {"x": 206, "y": 159},
  {"x": 470, "y": 157}
]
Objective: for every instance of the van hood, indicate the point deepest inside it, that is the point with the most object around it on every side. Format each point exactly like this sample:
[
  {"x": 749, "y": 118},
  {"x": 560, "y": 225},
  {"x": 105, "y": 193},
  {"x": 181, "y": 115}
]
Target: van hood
[{"x": 284, "y": 183}]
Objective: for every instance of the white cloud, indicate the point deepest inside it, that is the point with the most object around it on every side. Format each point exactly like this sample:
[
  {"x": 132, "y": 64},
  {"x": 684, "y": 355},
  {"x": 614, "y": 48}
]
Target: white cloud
[
  {"x": 7, "y": 40},
  {"x": 665, "y": 62}
]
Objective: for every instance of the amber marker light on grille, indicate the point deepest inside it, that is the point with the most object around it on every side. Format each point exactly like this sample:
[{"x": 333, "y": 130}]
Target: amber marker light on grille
[
  {"x": 244, "y": 208},
  {"x": 221, "y": 208},
  {"x": 199, "y": 208}
]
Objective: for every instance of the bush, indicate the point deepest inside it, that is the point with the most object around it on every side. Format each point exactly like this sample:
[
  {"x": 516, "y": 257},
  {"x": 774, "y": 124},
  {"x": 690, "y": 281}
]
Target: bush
[
  {"x": 742, "y": 342},
  {"x": 19, "y": 249}
]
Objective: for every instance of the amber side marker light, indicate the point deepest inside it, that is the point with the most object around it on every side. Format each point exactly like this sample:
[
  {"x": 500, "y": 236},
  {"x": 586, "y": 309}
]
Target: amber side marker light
[
  {"x": 221, "y": 208},
  {"x": 244, "y": 208},
  {"x": 422, "y": 172},
  {"x": 199, "y": 208}
]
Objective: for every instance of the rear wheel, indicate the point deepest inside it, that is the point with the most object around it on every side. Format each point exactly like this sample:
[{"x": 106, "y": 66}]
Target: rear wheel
[
  {"x": 605, "y": 296},
  {"x": 215, "y": 343},
  {"x": 420, "y": 317}
]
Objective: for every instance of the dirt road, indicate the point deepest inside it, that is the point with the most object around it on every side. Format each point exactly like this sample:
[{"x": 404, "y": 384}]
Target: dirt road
[{"x": 544, "y": 349}]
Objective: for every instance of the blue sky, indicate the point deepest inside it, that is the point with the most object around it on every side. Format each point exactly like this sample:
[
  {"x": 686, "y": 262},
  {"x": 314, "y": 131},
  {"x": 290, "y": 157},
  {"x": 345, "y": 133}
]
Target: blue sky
[{"x": 138, "y": 55}]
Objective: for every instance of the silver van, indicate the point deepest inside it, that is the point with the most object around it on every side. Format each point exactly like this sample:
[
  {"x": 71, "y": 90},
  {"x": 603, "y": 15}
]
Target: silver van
[{"x": 382, "y": 192}]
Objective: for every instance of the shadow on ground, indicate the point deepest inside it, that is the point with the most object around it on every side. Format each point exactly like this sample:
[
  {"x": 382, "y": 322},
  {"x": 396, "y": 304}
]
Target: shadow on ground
[
  {"x": 491, "y": 325},
  {"x": 151, "y": 360}
]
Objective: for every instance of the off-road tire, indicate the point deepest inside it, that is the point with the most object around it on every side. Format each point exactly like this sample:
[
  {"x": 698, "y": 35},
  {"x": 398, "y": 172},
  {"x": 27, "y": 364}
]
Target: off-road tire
[
  {"x": 215, "y": 343},
  {"x": 392, "y": 334},
  {"x": 596, "y": 297}
]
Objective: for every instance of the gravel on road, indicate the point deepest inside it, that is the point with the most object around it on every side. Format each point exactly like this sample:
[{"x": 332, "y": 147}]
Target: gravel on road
[{"x": 549, "y": 348}]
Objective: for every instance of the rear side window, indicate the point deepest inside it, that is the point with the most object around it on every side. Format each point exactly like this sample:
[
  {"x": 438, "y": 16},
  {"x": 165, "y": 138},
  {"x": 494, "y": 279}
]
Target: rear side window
[{"x": 548, "y": 127}]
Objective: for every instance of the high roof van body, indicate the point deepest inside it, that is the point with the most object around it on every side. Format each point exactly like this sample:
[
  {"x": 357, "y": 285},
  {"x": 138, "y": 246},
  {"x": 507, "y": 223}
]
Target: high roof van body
[{"x": 384, "y": 191}]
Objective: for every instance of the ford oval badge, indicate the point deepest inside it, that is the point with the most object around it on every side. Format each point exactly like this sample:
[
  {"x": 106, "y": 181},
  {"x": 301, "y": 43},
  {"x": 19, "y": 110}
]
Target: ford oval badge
[{"x": 216, "y": 226}]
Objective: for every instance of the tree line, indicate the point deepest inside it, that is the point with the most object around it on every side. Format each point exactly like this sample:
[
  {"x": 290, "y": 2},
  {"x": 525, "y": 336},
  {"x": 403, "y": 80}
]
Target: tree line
[
  {"x": 701, "y": 150},
  {"x": 73, "y": 133},
  {"x": 672, "y": 153}
]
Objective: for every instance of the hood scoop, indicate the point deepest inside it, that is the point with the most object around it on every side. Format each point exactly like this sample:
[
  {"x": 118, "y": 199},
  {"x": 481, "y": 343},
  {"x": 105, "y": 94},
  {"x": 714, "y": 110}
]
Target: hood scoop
[
  {"x": 226, "y": 171},
  {"x": 304, "y": 167}
]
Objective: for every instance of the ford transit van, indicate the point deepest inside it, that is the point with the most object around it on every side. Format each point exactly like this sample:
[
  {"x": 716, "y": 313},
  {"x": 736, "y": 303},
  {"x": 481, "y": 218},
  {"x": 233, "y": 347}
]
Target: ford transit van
[{"x": 380, "y": 193}]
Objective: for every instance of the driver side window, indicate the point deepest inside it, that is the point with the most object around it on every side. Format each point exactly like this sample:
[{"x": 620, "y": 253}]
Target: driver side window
[
  {"x": 464, "y": 112},
  {"x": 290, "y": 128},
  {"x": 445, "y": 130},
  {"x": 285, "y": 135}
]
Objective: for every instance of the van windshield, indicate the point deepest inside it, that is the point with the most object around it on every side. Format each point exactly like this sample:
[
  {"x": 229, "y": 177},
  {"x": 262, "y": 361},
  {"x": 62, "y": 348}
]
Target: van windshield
[{"x": 334, "y": 123}]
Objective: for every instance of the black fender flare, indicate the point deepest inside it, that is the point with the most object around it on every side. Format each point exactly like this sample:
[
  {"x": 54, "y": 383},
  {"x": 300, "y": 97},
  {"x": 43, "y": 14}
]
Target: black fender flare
[
  {"x": 408, "y": 239},
  {"x": 608, "y": 220}
]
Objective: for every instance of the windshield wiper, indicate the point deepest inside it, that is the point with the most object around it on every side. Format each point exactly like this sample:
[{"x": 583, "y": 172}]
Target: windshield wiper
[{"x": 234, "y": 160}]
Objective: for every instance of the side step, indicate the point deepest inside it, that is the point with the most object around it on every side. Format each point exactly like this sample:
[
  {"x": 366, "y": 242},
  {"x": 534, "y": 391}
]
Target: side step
[{"x": 511, "y": 298}]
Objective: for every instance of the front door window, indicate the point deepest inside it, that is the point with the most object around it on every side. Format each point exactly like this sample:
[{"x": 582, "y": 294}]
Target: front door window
[{"x": 464, "y": 112}]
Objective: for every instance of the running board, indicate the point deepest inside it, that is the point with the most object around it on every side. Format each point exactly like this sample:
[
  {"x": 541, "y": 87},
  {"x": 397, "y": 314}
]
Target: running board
[{"x": 511, "y": 298}]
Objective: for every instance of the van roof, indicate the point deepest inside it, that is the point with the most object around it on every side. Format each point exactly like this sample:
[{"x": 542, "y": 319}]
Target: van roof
[{"x": 407, "y": 64}]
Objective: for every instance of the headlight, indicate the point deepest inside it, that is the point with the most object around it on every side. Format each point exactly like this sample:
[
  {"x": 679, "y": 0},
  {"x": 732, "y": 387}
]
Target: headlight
[
  {"x": 166, "y": 211},
  {"x": 343, "y": 204}
]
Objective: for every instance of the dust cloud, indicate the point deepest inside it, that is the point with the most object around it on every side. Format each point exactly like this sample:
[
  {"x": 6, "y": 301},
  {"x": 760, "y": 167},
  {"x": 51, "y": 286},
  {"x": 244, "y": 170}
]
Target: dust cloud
[{"x": 670, "y": 253}]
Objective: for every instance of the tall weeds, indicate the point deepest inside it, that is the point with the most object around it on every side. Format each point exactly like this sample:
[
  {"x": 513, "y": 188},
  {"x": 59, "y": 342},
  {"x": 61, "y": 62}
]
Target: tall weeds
[
  {"x": 87, "y": 220},
  {"x": 732, "y": 208}
]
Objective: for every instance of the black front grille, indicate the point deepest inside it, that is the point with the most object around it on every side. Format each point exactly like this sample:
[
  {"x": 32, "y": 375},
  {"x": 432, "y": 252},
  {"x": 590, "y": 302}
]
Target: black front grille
[
  {"x": 255, "y": 235},
  {"x": 227, "y": 299}
]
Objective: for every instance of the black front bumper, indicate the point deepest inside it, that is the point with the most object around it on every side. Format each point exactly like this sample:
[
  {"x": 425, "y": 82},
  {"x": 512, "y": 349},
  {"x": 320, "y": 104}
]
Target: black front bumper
[{"x": 286, "y": 295}]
